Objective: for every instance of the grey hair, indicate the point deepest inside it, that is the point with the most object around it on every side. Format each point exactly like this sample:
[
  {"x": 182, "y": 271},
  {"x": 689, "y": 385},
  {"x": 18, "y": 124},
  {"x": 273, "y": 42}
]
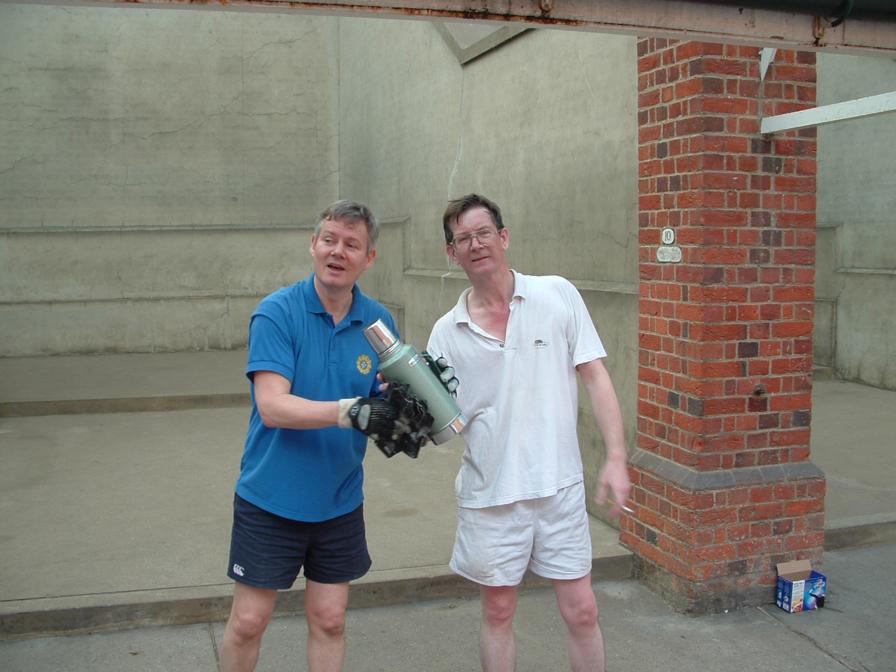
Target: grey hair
[{"x": 351, "y": 211}]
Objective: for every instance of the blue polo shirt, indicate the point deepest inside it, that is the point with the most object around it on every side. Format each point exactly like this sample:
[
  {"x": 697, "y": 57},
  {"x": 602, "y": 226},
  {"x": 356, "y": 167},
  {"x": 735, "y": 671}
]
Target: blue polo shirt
[{"x": 309, "y": 474}]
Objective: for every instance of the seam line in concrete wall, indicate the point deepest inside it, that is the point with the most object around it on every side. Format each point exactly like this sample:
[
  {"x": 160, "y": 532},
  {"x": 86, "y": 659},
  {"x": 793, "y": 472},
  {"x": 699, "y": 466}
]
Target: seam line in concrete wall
[
  {"x": 866, "y": 271},
  {"x": 155, "y": 228},
  {"x": 582, "y": 285},
  {"x": 136, "y": 297}
]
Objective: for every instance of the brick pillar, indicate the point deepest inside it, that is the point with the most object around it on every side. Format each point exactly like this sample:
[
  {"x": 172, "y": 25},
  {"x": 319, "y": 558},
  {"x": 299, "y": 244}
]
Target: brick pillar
[{"x": 723, "y": 485}]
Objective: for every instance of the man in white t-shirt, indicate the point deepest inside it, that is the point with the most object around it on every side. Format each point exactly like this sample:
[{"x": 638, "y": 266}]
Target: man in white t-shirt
[{"x": 516, "y": 343}]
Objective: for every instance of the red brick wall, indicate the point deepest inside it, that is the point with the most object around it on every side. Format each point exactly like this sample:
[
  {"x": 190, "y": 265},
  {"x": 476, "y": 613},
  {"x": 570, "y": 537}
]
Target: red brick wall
[{"x": 725, "y": 364}]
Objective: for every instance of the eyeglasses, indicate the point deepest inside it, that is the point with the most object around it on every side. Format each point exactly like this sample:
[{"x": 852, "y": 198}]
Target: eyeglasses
[{"x": 465, "y": 240}]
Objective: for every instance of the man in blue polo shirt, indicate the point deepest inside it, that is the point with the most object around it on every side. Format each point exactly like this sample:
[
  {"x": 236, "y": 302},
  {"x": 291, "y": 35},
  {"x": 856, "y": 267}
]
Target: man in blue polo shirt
[{"x": 298, "y": 502}]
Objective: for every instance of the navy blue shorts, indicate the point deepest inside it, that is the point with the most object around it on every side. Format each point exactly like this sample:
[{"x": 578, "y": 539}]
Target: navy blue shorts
[{"x": 267, "y": 551}]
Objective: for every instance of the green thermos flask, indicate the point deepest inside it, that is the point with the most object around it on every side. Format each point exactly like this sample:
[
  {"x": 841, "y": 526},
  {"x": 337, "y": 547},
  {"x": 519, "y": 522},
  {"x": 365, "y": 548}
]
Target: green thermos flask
[{"x": 400, "y": 362}]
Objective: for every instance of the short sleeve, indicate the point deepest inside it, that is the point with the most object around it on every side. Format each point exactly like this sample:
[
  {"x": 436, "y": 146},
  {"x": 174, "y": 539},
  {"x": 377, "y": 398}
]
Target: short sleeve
[
  {"x": 271, "y": 348},
  {"x": 584, "y": 342}
]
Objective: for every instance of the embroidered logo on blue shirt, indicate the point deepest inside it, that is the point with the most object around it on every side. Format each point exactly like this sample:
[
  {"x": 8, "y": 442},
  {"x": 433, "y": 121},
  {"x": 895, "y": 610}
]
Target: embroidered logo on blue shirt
[{"x": 364, "y": 364}]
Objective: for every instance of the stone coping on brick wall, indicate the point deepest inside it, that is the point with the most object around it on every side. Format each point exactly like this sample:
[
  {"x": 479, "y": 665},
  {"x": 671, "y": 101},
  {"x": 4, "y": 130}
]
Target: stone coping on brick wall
[{"x": 692, "y": 479}]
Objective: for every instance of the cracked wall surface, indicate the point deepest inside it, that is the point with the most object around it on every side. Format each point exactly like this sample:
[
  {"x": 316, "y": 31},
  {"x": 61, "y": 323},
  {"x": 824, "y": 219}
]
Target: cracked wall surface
[
  {"x": 157, "y": 169},
  {"x": 856, "y": 268},
  {"x": 163, "y": 168},
  {"x": 122, "y": 117},
  {"x": 545, "y": 125}
]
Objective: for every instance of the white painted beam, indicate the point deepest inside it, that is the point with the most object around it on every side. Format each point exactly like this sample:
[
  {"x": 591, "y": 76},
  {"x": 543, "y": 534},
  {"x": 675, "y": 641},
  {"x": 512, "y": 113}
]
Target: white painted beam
[
  {"x": 766, "y": 57},
  {"x": 686, "y": 20},
  {"x": 828, "y": 114}
]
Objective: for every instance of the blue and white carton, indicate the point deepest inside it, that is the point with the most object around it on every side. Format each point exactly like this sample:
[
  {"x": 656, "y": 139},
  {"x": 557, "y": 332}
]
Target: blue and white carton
[{"x": 800, "y": 588}]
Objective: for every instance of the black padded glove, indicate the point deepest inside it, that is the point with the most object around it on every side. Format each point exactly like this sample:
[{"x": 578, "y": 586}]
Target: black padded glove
[
  {"x": 397, "y": 422},
  {"x": 443, "y": 371}
]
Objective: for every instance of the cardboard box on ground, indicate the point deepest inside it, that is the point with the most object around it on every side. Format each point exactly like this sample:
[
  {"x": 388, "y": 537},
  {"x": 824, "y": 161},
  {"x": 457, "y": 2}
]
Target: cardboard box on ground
[{"x": 800, "y": 588}]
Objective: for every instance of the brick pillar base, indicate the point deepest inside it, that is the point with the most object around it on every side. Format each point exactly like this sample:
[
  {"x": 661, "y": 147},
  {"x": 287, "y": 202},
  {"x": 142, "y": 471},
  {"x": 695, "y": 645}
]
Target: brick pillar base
[{"x": 723, "y": 485}]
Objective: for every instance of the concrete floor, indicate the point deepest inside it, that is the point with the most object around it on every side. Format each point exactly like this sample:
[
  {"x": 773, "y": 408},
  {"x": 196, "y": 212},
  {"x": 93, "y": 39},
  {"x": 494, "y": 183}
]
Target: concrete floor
[
  {"x": 853, "y": 441},
  {"x": 853, "y": 633},
  {"x": 125, "y": 509}
]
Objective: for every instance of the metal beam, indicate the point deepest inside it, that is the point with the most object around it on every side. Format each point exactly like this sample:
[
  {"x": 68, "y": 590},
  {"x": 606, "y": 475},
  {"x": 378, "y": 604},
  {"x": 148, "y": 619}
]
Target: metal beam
[
  {"x": 766, "y": 57},
  {"x": 828, "y": 114},
  {"x": 687, "y": 19}
]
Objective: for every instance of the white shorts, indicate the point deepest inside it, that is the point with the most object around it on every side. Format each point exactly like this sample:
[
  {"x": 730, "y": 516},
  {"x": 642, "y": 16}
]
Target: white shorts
[{"x": 495, "y": 545}]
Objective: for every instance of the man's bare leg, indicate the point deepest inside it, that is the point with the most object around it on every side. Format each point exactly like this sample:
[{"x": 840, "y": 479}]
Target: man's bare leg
[
  {"x": 578, "y": 607},
  {"x": 497, "y": 645},
  {"x": 249, "y": 616},
  {"x": 325, "y": 605}
]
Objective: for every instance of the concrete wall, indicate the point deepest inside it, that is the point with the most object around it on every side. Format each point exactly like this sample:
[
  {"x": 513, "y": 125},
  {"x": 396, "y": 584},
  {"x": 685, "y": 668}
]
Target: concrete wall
[
  {"x": 153, "y": 168},
  {"x": 157, "y": 169},
  {"x": 856, "y": 267},
  {"x": 545, "y": 125}
]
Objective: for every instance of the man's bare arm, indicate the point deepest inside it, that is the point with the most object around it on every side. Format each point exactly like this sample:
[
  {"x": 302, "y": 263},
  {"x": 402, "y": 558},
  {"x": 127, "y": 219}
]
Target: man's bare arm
[
  {"x": 280, "y": 408},
  {"x": 613, "y": 476}
]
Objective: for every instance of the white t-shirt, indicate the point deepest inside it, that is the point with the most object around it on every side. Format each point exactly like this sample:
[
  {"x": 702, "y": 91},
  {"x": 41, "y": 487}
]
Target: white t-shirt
[{"x": 520, "y": 396}]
